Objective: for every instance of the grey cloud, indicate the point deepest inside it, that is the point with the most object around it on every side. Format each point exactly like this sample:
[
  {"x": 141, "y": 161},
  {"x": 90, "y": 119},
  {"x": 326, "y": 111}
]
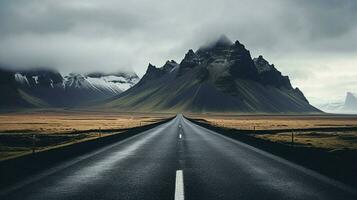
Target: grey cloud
[
  {"x": 328, "y": 18},
  {"x": 39, "y": 17},
  {"x": 83, "y": 35}
]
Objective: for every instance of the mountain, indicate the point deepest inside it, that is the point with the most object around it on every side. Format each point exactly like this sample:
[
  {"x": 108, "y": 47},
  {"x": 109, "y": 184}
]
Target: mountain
[
  {"x": 349, "y": 106},
  {"x": 350, "y": 102},
  {"x": 97, "y": 86},
  {"x": 49, "y": 88},
  {"x": 12, "y": 96},
  {"x": 334, "y": 107},
  {"x": 218, "y": 77}
]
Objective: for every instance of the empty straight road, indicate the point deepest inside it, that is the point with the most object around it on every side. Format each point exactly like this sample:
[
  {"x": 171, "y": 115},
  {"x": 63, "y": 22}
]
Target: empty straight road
[{"x": 178, "y": 160}]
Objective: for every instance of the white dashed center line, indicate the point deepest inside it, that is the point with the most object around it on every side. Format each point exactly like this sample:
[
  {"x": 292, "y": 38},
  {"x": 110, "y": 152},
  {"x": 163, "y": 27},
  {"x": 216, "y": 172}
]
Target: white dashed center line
[{"x": 179, "y": 191}]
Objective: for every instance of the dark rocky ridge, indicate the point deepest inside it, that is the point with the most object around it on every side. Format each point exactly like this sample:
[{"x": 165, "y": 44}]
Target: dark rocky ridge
[
  {"x": 269, "y": 75},
  {"x": 219, "y": 77}
]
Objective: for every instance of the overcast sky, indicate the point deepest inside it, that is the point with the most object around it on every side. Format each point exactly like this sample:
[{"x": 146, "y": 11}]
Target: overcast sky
[{"x": 312, "y": 41}]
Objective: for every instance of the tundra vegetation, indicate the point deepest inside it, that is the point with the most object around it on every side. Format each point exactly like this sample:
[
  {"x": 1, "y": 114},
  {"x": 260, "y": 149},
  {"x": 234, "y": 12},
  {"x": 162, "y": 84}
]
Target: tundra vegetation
[{"x": 25, "y": 132}]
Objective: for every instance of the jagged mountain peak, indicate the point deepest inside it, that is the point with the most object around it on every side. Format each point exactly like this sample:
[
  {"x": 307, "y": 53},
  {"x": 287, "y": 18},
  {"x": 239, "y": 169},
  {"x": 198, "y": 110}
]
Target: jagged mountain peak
[
  {"x": 225, "y": 64},
  {"x": 151, "y": 66},
  {"x": 263, "y": 65},
  {"x": 350, "y": 102},
  {"x": 220, "y": 56},
  {"x": 152, "y": 73},
  {"x": 169, "y": 65},
  {"x": 223, "y": 78},
  {"x": 269, "y": 75},
  {"x": 190, "y": 55},
  {"x": 190, "y": 60},
  {"x": 171, "y": 62}
]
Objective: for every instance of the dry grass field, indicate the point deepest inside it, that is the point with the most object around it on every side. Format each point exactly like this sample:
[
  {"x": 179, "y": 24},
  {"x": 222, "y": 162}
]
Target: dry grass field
[
  {"x": 319, "y": 137},
  {"x": 20, "y": 132},
  {"x": 52, "y": 129},
  {"x": 332, "y": 141},
  {"x": 65, "y": 122},
  {"x": 273, "y": 122}
]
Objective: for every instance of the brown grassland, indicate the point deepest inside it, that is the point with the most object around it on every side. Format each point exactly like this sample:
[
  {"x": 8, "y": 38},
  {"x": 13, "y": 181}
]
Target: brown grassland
[
  {"x": 309, "y": 131},
  {"x": 21, "y": 132},
  {"x": 57, "y": 128}
]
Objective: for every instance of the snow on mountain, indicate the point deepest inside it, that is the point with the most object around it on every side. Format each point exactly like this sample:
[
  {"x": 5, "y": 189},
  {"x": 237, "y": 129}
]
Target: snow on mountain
[
  {"x": 109, "y": 83},
  {"x": 21, "y": 79},
  {"x": 115, "y": 84},
  {"x": 72, "y": 89}
]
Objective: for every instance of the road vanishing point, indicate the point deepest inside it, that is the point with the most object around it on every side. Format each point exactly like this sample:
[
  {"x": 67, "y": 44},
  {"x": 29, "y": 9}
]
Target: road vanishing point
[{"x": 178, "y": 160}]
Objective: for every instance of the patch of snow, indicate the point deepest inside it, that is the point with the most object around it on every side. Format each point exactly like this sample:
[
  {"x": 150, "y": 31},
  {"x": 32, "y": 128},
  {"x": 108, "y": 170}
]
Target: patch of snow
[
  {"x": 21, "y": 79},
  {"x": 51, "y": 83},
  {"x": 175, "y": 68},
  {"x": 109, "y": 83},
  {"x": 35, "y": 78}
]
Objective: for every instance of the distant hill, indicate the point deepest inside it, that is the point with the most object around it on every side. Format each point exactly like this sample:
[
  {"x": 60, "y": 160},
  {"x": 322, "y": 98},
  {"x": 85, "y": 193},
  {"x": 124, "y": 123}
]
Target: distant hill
[
  {"x": 350, "y": 102},
  {"x": 48, "y": 88},
  {"x": 334, "y": 107},
  {"x": 219, "y": 77},
  {"x": 348, "y": 106}
]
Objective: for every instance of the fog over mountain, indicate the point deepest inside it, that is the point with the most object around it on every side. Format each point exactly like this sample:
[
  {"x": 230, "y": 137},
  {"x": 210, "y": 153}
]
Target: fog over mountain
[
  {"x": 312, "y": 41},
  {"x": 220, "y": 77}
]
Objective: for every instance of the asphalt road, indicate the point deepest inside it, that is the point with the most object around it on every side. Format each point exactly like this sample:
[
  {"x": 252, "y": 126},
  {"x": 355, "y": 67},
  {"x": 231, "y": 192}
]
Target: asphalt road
[{"x": 178, "y": 160}]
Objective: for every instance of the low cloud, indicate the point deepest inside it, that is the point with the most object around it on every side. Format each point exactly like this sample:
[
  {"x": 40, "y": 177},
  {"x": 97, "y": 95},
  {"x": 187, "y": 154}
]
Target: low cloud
[{"x": 83, "y": 36}]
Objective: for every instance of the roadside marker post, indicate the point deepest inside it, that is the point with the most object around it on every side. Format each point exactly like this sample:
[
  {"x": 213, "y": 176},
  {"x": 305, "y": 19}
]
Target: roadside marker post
[
  {"x": 33, "y": 143},
  {"x": 292, "y": 138}
]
